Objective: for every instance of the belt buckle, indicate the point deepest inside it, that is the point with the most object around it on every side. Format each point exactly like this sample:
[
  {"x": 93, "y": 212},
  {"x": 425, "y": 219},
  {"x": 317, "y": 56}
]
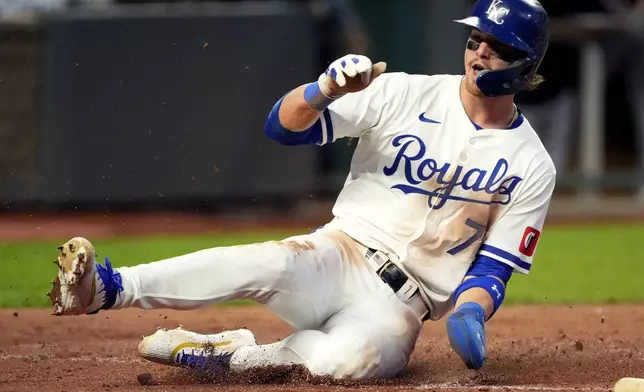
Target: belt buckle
[{"x": 408, "y": 291}]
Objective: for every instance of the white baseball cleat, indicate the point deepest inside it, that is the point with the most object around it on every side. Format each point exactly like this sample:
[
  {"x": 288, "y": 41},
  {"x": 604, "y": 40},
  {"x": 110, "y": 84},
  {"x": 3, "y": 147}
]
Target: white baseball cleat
[
  {"x": 179, "y": 347},
  {"x": 79, "y": 287}
]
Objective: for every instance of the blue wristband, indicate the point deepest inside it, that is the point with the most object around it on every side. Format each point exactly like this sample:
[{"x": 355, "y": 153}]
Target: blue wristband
[
  {"x": 315, "y": 98},
  {"x": 492, "y": 285}
]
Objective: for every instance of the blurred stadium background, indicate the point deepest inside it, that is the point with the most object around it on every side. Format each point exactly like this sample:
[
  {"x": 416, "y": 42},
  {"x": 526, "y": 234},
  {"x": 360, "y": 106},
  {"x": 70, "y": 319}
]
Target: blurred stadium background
[{"x": 153, "y": 105}]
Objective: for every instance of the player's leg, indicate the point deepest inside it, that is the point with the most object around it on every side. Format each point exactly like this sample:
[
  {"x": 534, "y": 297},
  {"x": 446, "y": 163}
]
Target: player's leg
[
  {"x": 298, "y": 275},
  {"x": 373, "y": 337},
  {"x": 256, "y": 272}
]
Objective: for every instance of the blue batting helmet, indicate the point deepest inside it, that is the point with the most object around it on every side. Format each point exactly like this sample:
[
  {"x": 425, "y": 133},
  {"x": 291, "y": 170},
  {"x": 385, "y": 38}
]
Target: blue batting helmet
[{"x": 521, "y": 24}]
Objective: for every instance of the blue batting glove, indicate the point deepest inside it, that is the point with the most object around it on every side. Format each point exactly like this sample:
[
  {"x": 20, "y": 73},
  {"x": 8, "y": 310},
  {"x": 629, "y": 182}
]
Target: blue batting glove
[{"x": 466, "y": 332}]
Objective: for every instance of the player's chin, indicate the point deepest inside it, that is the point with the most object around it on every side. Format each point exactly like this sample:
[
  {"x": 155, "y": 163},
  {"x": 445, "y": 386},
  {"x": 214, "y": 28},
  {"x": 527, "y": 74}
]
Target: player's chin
[{"x": 471, "y": 86}]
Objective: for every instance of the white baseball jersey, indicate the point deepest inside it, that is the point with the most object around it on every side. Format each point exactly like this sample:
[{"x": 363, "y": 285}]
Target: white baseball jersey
[{"x": 429, "y": 187}]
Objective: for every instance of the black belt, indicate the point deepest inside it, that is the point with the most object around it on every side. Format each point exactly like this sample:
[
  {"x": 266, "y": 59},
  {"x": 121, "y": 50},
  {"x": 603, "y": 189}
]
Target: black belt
[
  {"x": 390, "y": 273},
  {"x": 399, "y": 282}
]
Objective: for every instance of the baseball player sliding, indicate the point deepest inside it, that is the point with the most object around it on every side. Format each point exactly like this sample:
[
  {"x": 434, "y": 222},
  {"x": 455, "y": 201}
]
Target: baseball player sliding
[{"x": 446, "y": 197}]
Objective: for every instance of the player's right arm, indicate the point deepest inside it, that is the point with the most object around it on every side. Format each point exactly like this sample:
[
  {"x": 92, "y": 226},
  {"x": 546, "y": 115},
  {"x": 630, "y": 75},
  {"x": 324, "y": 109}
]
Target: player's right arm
[
  {"x": 302, "y": 116},
  {"x": 295, "y": 114}
]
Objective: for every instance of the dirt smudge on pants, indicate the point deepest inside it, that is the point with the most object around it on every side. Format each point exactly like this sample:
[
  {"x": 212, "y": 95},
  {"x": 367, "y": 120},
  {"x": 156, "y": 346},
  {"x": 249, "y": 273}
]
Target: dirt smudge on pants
[
  {"x": 298, "y": 247},
  {"x": 352, "y": 251}
]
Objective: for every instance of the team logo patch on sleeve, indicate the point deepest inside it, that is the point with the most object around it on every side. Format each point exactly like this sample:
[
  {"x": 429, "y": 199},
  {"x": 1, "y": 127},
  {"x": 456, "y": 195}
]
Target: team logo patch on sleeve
[{"x": 529, "y": 241}]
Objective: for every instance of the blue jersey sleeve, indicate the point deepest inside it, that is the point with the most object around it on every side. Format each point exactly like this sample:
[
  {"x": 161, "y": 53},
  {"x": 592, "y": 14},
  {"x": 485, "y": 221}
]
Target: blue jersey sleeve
[
  {"x": 317, "y": 133},
  {"x": 487, "y": 266}
]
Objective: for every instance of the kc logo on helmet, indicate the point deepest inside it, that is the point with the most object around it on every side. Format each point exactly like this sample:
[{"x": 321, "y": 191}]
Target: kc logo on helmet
[
  {"x": 529, "y": 241},
  {"x": 495, "y": 12}
]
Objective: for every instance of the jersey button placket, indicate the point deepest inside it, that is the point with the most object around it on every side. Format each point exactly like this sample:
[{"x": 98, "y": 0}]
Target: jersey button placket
[{"x": 463, "y": 156}]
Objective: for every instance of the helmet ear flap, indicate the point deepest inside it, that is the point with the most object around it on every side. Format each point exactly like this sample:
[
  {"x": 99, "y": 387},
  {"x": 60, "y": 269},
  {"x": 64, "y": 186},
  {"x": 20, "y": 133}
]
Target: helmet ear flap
[
  {"x": 508, "y": 80},
  {"x": 528, "y": 70}
]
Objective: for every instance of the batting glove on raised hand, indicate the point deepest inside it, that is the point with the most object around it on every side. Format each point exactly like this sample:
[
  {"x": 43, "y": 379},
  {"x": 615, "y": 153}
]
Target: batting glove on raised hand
[
  {"x": 348, "y": 74},
  {"x": 466, "y": 332}
]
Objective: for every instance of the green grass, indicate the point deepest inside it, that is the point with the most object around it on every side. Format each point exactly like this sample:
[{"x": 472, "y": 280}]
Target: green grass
[
  {"x": 584, "y": 264},
  {"x": 573, "y": 265}
]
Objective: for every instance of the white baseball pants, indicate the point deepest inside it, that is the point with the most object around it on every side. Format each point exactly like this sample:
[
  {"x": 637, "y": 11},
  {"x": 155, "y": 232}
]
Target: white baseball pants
[{"x": 349, "y": 324}]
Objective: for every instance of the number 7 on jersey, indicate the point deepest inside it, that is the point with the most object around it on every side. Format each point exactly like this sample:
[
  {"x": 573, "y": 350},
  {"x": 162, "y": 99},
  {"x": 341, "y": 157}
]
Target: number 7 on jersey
[{"x": 479, "y": 230}]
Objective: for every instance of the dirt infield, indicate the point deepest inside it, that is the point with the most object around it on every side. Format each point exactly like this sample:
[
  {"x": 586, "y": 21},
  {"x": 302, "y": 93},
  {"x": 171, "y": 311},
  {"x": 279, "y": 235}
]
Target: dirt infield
[{"x": 530, "y": 348}]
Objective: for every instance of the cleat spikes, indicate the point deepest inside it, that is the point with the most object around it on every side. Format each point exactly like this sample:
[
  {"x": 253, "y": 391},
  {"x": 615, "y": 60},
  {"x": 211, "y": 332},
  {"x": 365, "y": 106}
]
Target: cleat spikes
[{"x": 75, "y": 289}]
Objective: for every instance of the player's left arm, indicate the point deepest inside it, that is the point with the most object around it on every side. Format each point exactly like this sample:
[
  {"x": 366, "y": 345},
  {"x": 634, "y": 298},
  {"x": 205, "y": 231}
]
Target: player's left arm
[
  {"x": 484, "y": 284},
  {"x": 509, "y": 246}
]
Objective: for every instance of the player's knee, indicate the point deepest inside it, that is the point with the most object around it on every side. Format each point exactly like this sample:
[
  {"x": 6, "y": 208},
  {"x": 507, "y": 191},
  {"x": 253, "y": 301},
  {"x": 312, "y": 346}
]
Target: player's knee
[{"x": 351, "y": 360}]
